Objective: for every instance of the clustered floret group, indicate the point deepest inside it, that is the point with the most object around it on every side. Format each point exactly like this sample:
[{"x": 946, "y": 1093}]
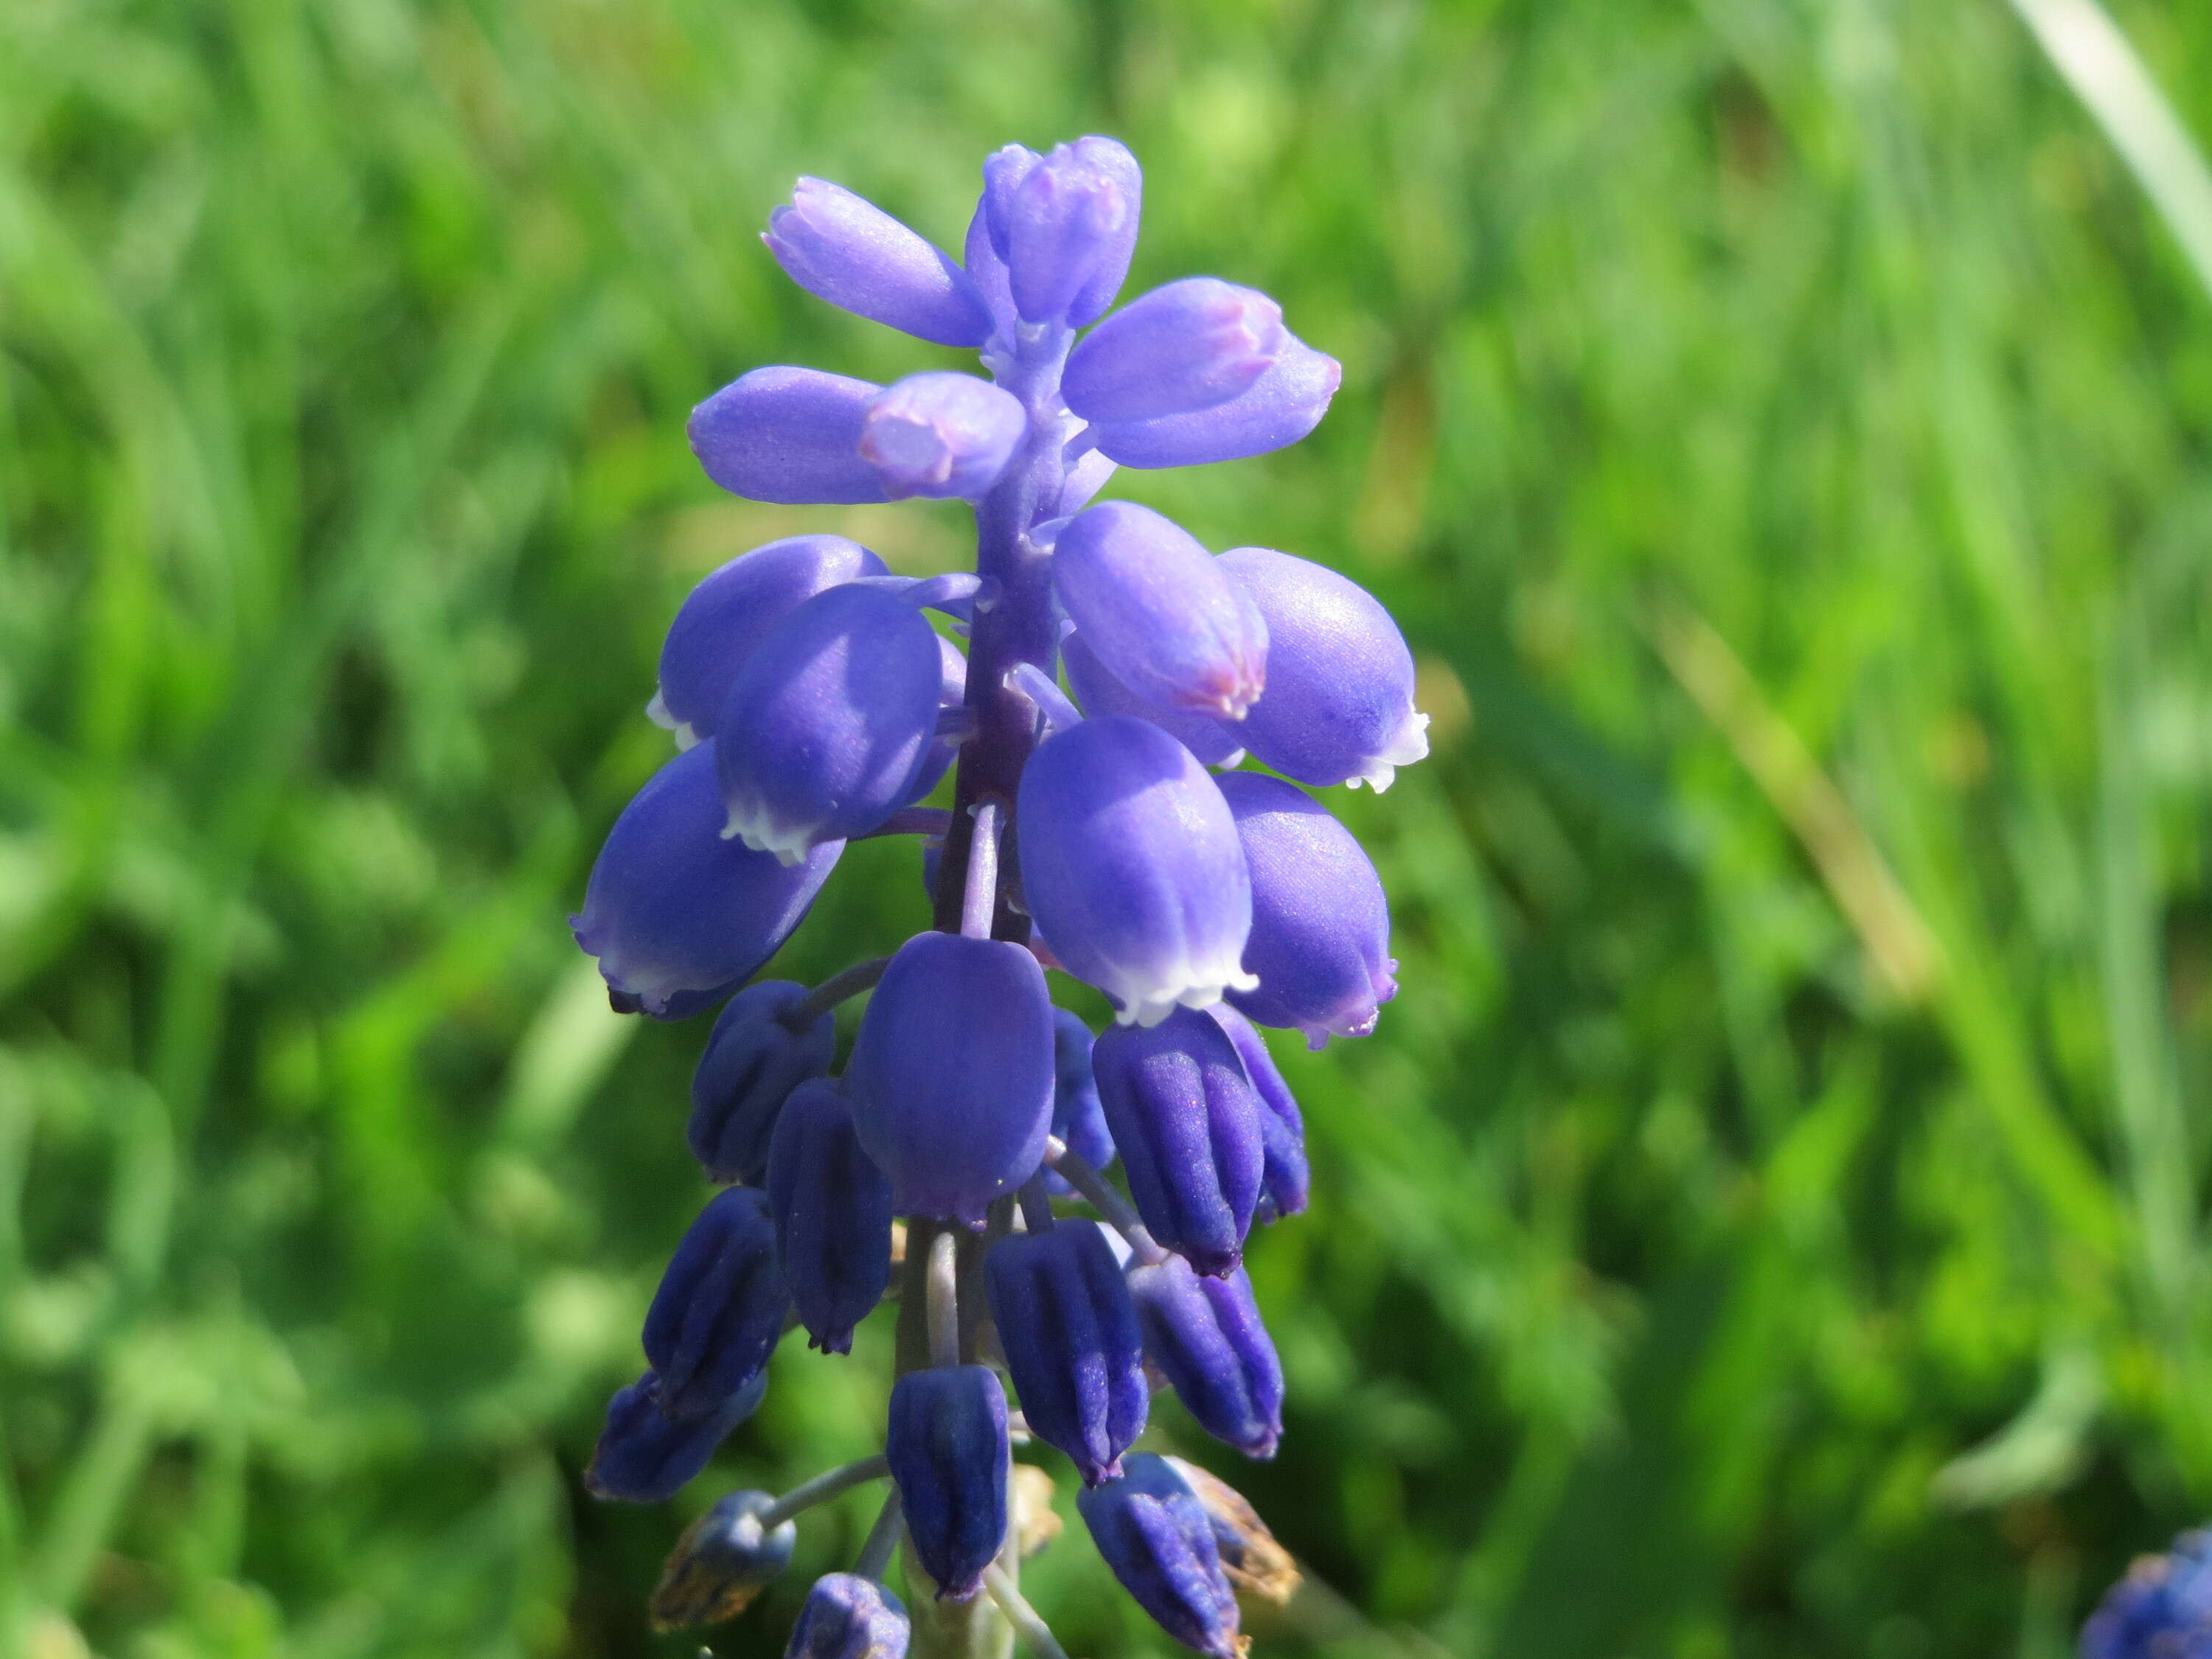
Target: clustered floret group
[{"x": 813, "y": 702}]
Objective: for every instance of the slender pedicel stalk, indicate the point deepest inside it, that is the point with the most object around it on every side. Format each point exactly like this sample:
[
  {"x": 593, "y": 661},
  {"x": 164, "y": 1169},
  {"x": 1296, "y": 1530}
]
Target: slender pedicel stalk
[
  {"x": 1104, "y": 1199},
  {"x": 883, "y": 1538},
  {"x": 944, "y": 1301},
  {"x": 1021, "y": 1615},
  {"x": 823, "y": 1488},
  {"x": 840, "y": 986},
  {"x": 1037, "y": 686},
  {"x": 980, "y": 901}
]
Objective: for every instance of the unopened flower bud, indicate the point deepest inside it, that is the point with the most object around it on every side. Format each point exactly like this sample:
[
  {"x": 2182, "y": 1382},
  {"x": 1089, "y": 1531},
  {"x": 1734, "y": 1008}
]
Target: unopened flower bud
[
  {"x": 791, "y": 435},
  {"x": 645, "y": 1456},
  {"x": 1154, "y": 1533},
  {"x": 951, "y": 1074},
  {"x": 1256, "y": 1564},
  {"x": 1160, "y": 615},
  {"x": 723, "y": 1561},
  {"x": 1064, "y": 224},
  {"x": 849, "y": 251},
  {"x": 1216, "y": 742},
  {"x": 826, "y": 728},
  {"x": 752, "y": 1063},
  {"x": 1077, "y": 1119},
  {"x": 1205, "y": 1337},
  {"x": 833, "y": 1215},
  {"x": 1320, "y": 926},
  {"x": 1072, "y": 1342},
  {"x": 941, "y": 435},
  {"x": 1279, "y": 408},
  {"x": 1131, "y": 868},
  {"x": 720, "y": 1307},
  {"x": 1340, "y": 702},
  {"x": 947, "y": 1444},
  {"x": 849, "y": 1617},
  {"x": 1187, "y": 346},
  {"x": 678, "y": 916},
  {"x": 732, "y": 611},
  {"x": 1284, "y": 1175},
  {"x": 1188, "y": 1125}
]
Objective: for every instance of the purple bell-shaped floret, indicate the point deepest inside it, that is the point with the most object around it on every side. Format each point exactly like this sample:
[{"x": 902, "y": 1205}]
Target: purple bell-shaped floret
[
  {"x": 1321, "y": 927},
  {"x": 722, "y": 1563},
  {"x": 1340, "y": 702},
  {"x": 946, "y": 1443},
  {"x": 845, "y": 250},
  {"x": 1064, "y": 226},
  {"x": 951, "y": 1074},
  {"x": 720, "y": 1307},
  {"x": 1072, "y": 1342},
  {"x": 1155, "y": 1534},
  {"x": 646, "y": 1457},
  {"x": 1187, "y": 1122},
  {"x": 1217, "y": 743},
  {"x": 791, "y": 435},
  {"x": 941, "y": 435},
  {"x": 1188, "y": 346},
  {"x": 1284, "y": 1176},
  {"x": 849, "y": 1617},
  {"x": 833, "y": 1216},
  {"x": 1130, "y": 866},
  {"x": 827, "y": 727},
  {"x": 1077, "y": 1119},
  {"x": 1159, "y": 614},
  {"x": 1279, "y": 408},
  {"x": 1205, "y": 1337},
  {"x": 753, "y": 1060},
  {"x": 678, "y": 916},
  {"x": 732, "y": 611}
]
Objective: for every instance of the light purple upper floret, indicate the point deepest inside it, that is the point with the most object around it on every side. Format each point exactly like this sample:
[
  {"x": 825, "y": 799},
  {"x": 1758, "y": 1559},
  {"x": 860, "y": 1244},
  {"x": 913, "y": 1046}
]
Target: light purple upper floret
[{"x": 1198, "y": 370}]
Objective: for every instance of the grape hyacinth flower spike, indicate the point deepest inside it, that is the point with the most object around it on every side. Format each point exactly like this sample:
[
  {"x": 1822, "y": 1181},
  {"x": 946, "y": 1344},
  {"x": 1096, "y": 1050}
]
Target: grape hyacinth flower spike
[{"x": 813, "y": 703}]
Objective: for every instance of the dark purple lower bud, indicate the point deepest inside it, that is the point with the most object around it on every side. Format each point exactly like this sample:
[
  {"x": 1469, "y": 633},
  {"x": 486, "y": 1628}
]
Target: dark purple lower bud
[
  {"x": 716, "y": 1319},
  {"x": 752, "y": 1062},
  {"x": 644, "y": 1457},
  {"x": 1072, "y": 1342},
  {"x": 1284, "y": 1176},
  {"x": 951, "y": 1074},
  {"x": 1187, "y": 1122},
  {"x": 1155, "y": 1534},
  {"x": 947, "y": 1447},
  {"x": 833, "y": 1215},
  {"x": 849, "y": 1617},
  {"x": 723, "y": 1561},
  {"x": 1077, "y": 1117},
  {"x": 1205, "y": 1337}
]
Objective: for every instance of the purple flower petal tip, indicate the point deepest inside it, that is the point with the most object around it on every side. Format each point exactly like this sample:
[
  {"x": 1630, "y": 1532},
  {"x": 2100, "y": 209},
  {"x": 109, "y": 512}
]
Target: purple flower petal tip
[
  {"x": 844, "y": 249},
  {"x": 789, "y": 436}
]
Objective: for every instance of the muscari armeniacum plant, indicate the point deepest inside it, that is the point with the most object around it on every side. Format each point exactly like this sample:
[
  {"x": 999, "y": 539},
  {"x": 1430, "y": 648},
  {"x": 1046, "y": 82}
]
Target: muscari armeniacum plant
[{"x": 1108, "y": 835}]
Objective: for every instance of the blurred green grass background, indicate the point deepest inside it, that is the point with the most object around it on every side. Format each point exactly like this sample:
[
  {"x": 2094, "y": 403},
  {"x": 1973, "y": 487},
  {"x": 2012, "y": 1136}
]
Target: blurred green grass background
[{"x": 1769, "y": 1222}]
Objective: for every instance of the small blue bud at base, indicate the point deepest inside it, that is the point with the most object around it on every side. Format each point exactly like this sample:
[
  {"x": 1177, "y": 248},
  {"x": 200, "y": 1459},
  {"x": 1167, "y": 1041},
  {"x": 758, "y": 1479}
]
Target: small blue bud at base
[
  {"x": 721, "y": 1564},
  {"x": 1154, "y": 1533},
  {"x": 849, "y": 1617},
  {"x": 946, "y": 1443},
  {"x": 720, "y": 1310},
  {"x": 1072, "y": 1341},
  {"x": 644, "y": 1456}
]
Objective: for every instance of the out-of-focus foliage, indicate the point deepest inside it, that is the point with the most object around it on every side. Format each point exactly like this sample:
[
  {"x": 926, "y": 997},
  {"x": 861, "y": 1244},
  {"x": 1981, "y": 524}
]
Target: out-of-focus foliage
[{"x": 1768, "y": 1222}]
